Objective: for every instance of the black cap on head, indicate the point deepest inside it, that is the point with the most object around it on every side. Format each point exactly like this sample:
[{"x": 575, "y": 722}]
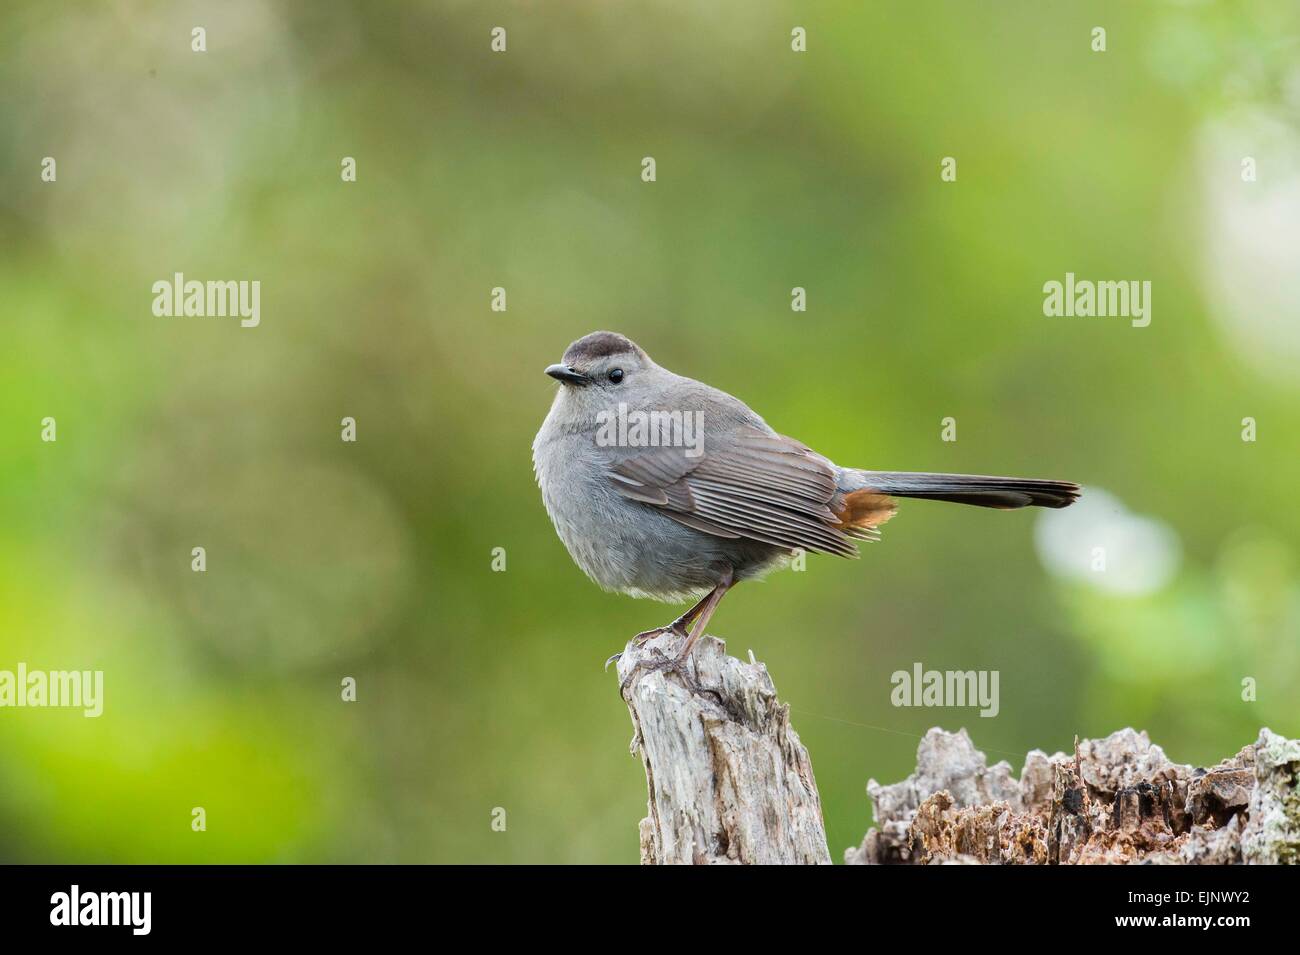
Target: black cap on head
[{"x": 599, "y": 345}]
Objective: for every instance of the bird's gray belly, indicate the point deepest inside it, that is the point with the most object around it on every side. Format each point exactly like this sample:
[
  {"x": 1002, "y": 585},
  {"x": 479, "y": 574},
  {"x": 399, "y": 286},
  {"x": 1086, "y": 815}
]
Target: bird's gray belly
[{"x": 633, "y": 547}]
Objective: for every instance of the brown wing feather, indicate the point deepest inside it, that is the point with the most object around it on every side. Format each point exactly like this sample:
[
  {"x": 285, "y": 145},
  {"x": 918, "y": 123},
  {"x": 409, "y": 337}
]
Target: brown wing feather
[{"x": 761, "y": 486}]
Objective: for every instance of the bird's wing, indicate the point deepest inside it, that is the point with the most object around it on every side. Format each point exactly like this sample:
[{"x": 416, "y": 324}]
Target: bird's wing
[{"x": 758, "y": 485}]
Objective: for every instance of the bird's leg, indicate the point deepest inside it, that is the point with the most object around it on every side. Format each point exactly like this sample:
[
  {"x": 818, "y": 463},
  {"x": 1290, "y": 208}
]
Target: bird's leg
[
  {"x": 678, "y": 627},
  {"x": 707, "y": 606},
  {"x": 703, "y": 613}
]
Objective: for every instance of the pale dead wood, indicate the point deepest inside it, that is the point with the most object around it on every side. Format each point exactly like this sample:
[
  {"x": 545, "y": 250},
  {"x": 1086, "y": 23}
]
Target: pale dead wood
[
  {"x": 728, "y": 779},
  {"x": 1112, "y": 800},
  {"x": 730, "y": 782}
]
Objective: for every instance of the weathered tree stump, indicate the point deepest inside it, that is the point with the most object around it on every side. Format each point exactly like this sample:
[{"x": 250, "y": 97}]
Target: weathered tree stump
[
  {"x": 730, "y": 782},
  {"x": 728, "y": 779},
  {"x": 1113, "y": 800}
]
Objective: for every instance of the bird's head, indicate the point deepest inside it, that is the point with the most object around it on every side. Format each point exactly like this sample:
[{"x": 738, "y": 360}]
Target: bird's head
[{"x": 602, "y": 369}]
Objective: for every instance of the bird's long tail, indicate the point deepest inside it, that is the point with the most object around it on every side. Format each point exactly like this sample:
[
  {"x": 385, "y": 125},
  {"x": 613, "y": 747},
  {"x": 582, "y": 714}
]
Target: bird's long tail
[{"x": 976, "y": 489}]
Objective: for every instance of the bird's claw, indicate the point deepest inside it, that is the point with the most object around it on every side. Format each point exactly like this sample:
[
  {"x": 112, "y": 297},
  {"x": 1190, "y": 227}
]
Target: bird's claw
[
  {"x": 676, "y": 628},
  {"x": 665, "y": 663}
]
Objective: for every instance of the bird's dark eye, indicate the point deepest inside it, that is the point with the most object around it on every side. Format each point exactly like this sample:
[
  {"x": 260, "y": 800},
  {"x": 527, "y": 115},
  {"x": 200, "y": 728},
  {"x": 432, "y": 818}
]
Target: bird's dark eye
[{"x": 616, "y": 375}]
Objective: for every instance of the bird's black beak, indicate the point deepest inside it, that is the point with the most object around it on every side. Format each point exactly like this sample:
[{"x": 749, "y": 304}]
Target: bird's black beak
[{"x": 565, "y": 374}]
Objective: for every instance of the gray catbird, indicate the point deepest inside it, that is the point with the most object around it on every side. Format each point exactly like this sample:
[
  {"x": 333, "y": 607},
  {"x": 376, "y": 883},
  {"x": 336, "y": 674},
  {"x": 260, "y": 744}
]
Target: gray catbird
[{"x": 663, "y": 487}]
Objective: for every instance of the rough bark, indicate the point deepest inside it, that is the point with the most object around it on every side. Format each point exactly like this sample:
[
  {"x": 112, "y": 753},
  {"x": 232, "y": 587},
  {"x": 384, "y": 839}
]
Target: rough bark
[
  {"x": 730, "y": 782},
  {"x": 728, "y": 779},
  {"x": 1113, "y": 800}
]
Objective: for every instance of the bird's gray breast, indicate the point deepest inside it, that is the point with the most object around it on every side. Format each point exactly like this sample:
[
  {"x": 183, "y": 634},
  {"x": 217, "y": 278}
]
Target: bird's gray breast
[{"x": 622, "y": 545}]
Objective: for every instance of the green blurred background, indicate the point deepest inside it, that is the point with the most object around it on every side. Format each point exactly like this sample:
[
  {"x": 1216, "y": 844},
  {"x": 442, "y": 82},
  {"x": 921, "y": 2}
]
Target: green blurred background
[{"x": 776, "y": 169}]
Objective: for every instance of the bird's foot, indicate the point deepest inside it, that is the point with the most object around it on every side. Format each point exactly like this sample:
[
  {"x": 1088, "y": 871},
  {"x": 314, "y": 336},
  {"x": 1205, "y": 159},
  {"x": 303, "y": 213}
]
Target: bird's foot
[
  {"x": 677, "y": 628},
  {"x": 666, "y": 664},
  {"x": 660, "y": 662}
]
